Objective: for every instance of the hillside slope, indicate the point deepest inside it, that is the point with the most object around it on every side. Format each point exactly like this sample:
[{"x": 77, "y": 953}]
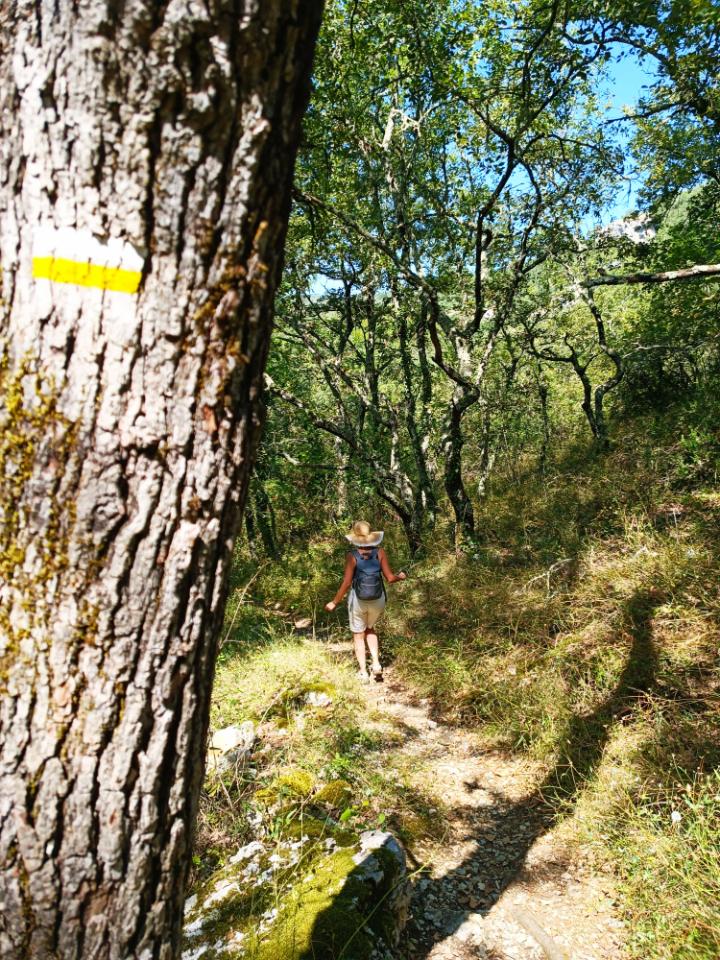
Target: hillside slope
[{"x": 578, "y": 638}]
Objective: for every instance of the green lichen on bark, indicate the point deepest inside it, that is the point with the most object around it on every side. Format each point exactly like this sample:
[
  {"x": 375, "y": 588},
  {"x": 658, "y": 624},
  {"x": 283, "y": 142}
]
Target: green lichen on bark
[{"x": 36, "y": 445}]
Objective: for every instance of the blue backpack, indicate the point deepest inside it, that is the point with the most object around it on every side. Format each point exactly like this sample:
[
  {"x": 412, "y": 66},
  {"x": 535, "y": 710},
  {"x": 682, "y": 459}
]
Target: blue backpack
[{"x": 368, "y": 581}]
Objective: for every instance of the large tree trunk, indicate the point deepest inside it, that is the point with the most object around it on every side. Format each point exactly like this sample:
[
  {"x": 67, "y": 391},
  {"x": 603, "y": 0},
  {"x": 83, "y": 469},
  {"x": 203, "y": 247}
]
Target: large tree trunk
[{"x": 154, "y": 142}]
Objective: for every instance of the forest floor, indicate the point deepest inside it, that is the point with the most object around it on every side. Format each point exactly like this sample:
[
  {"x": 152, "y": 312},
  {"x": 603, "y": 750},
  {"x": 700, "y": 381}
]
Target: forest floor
[
  {"x": 546, "y": 744},
  {"x": 502, "y": 882}
]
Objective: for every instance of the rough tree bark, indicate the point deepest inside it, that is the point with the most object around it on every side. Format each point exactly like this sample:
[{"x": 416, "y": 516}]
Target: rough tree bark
[
  {"x": 145, "y": 166},
  {"x": 426, "y": 507}
]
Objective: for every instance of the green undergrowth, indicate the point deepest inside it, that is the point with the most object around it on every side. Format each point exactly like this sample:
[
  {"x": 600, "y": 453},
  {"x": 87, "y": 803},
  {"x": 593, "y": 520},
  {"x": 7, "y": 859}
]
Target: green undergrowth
[
  {"x": 581, "y": 629},
  {"x": 321, "y": 771},
  {"x": 320, "y": 757}
]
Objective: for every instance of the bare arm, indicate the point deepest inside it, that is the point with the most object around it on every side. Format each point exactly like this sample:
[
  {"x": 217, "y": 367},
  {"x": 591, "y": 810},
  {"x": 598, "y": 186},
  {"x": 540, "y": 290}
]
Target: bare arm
[
  {"x": 385, "y": 567},
  {"x": 346, "y": 581}
]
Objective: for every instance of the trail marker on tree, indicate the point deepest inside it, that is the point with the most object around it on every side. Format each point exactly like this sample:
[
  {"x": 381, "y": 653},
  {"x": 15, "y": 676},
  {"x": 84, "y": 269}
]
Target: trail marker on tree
[{"x": 145, "y": 170}]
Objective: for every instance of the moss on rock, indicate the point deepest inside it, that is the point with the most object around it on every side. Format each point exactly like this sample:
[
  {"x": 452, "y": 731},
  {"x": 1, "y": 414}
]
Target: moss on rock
[
  {"x": 294, "y": 698},
  {"x": 336, "y": 794},
  {"x": 322, "y": 917},
  {"x": 307, "y": 900},
  {"x": 317, "y": 828},
  {"x": 291, "y": 785}
]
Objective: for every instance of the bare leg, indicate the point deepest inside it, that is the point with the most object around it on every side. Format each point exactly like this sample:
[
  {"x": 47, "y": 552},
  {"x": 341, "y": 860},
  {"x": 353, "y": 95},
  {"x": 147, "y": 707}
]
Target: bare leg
[
  {"x": 359, "y": 640},
  {"x": 374, "y": 646}
]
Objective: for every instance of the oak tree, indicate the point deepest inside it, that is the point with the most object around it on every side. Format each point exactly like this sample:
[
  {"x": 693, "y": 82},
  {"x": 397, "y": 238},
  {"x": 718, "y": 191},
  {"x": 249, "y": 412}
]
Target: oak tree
[{"x": 145, "y": 169}]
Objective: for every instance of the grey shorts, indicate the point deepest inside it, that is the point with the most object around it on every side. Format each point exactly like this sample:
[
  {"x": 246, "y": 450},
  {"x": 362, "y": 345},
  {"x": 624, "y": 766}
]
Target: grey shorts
[{"x": 364, "y": 614}]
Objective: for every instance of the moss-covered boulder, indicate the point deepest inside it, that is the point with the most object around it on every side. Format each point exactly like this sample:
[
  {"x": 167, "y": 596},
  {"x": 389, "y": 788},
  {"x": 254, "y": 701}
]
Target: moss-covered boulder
[
  {"x": 305, "y": 899},
  {"x": 297, "y": 695},
  {"x": 288, "y": 787},
  {"x": 337, "y": 795}
]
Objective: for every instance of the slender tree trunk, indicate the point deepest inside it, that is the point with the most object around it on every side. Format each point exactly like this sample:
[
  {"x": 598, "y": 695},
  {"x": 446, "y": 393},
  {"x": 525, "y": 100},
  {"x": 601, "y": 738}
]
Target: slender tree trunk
[
  {"x": 453, "y": 442},
  {"x": 412, "y": 528},
  {"x": 340, "y": 508},
  {"x": 487, "y": 455},
  {"x": 263, "y": 512},
  {"x": 251, "y": 532},
  {"x": 602, "y": 435},
  {"x": 588, "y": 410},
  {"x": 426, "y": 501},
  {"x": 597, "y": 427},
  {"x": 599, "y": 395},
  {"x": 371, "y": 372},
  {"x": 601, "y": 430},
  {"x": 265, "y": 518},
  {"x": 543, "y": 393},
  {"x": 145, "y": 171}
]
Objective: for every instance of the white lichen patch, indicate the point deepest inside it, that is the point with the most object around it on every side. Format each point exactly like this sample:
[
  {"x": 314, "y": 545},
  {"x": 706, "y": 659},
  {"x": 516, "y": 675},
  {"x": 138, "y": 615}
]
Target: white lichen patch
[
  {"x": 221, "y": 892},
  {"x": 195, "y": 953},
  {"x": 249, "y": 850},
  {"x": 305, "y": 895}
]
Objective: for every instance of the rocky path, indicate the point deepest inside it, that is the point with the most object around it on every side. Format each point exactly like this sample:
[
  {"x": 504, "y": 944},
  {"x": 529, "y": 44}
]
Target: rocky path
[{"x": 503, "y": 884}]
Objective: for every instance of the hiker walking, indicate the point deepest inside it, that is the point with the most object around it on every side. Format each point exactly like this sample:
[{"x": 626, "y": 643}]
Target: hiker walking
[{"x": 365, "y": 567}]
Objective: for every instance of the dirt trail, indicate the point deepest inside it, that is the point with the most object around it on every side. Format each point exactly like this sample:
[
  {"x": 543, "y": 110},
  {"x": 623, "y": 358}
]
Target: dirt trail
[{"x": 502, "y": 885}]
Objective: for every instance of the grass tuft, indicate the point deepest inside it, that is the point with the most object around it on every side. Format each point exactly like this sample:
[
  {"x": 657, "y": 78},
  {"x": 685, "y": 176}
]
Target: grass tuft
[{"x": 580, "y": 630}]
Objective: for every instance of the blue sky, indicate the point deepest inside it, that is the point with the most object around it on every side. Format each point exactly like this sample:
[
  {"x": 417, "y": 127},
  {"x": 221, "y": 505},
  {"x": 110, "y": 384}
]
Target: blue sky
[
  {"x": 629, "y": 76},
  {"x": 627, "y": 82}
]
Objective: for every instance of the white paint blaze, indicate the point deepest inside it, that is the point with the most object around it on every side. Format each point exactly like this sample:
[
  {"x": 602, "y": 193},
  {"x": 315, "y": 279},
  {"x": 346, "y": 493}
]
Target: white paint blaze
[{"x": 81, "y": 247}]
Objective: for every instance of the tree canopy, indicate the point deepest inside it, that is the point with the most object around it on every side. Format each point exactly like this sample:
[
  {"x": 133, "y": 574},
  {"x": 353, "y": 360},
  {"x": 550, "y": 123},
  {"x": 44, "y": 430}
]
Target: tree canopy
[{"x": 445, "y": 258}]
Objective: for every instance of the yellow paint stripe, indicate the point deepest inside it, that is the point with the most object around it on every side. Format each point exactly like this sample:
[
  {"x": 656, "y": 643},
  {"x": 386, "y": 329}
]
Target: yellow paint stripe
[{"x": 86, "y": 274}]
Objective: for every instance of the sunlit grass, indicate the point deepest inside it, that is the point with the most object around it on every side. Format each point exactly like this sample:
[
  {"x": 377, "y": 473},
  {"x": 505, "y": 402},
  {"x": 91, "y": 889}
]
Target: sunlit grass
[
  {"x": 270, "y": 682},
  {"x": 581, "y": 630}
]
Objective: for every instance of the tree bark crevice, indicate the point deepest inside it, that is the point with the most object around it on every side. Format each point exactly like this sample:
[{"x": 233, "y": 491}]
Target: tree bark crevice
[{"x": 130, "y": 424}]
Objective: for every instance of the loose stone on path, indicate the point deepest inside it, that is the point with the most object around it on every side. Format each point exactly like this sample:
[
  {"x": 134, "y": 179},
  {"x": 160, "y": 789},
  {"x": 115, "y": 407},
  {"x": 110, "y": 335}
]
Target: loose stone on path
[{"x": 500, "y": 859}]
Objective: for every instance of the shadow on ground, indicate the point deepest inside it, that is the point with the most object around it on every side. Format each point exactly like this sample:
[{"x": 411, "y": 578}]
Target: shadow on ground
[{"x": 504, "y": 833}]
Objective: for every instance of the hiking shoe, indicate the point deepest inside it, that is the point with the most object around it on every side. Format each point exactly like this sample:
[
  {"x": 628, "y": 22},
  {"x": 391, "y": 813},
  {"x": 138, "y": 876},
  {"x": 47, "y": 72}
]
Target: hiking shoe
[
  {"x": 377, "y": 673},
  {"x": 363, "y": 676}
]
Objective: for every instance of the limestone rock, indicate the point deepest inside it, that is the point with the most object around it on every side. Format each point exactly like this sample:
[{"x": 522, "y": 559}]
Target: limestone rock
[
  {"x": 234, "y": 738},
  {"x": 230, "y": 746},
  {"x": 382, "y": 850},
  {"x": 318, "y": 698},
  {"x": 311, "y": 897}
]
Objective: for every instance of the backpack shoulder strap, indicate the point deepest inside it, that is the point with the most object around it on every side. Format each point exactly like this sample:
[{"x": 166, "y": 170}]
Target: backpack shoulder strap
[{"x": 372, "y": 553}]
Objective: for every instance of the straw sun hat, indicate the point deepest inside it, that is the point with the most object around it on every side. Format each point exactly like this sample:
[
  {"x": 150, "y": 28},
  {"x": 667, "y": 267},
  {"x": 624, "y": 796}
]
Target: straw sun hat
[{"x": 362, "y": 536}]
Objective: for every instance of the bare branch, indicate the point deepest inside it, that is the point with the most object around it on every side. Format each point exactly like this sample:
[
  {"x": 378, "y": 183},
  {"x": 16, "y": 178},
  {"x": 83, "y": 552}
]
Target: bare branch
[
  {"x": 404, "y": 268},
  {"x": 700, "y": 271}
]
